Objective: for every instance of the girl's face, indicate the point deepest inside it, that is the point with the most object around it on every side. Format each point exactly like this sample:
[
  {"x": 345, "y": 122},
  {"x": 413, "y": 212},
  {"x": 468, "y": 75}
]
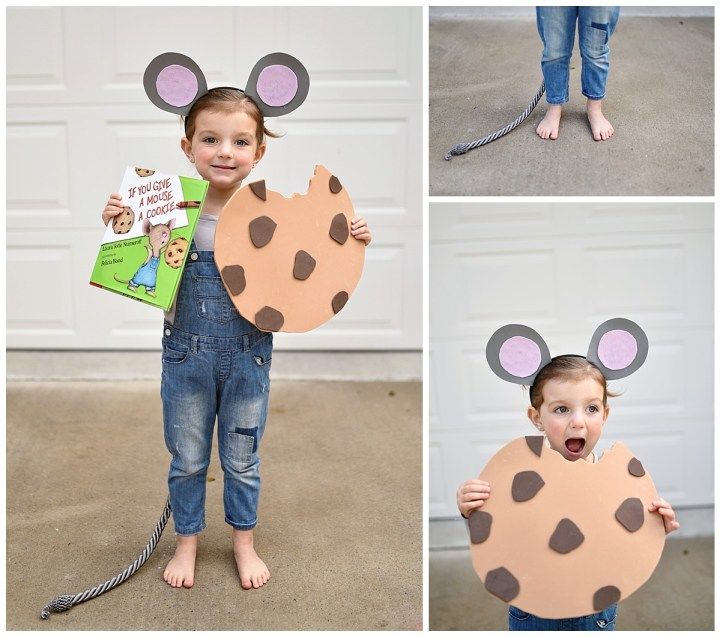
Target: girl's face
[
  {"x": 224, "y": 147},
  {"x": 571, "y": 416}
]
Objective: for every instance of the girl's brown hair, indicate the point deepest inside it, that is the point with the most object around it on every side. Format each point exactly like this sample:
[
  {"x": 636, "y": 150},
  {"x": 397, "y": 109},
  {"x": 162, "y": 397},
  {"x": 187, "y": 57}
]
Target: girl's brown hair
[
  {"x": 564, "y": 368},
  {"x": 227, "y": 100}
]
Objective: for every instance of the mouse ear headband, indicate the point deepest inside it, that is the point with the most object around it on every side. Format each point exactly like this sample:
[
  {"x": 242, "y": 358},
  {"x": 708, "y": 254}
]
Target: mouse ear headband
[
  {"x": 278, "y": 83},
  {"x": 517, "y": 353}
]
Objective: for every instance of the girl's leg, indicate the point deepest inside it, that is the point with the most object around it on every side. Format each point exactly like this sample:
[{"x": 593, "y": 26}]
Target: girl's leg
[
  {"x": 188, "y": 396},
  {"x": 556, "y": 26},
  {"x": 242, "y": 410},
  {"x": 595, "y": 26}
]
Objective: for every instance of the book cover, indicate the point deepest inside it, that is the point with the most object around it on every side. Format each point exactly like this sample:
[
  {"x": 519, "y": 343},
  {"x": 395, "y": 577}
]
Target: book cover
[{"x": 143, "y": 251}]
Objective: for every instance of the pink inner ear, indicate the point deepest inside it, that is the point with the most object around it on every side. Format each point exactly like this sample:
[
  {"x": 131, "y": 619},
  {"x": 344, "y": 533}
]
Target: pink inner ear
[
  {"x": 617, "y": 349},
  {"x": 277, "y": 85},
  {"x": 176, "y": 85},
  {"x": 520, "y": 356}
]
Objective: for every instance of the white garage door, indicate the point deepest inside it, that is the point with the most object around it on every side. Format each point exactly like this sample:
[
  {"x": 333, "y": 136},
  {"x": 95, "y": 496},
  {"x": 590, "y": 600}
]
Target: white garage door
[
  {"x": 77, "y": 115},
  {"x": 563, "y": 269}
]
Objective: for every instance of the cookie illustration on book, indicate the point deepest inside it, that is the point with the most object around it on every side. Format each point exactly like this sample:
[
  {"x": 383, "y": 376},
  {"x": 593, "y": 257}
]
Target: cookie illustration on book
[
  {"x": 122, "y": 223},
  {"x": 175, "y": 252}
]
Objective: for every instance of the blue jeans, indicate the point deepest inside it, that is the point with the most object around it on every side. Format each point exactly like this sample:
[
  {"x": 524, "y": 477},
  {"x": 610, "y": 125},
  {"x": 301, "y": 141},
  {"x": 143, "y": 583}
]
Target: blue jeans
[
  {"x": 556, "y": 26},
  {"x": 604, "y": 620},
  {"x": 215, "y": 364}
]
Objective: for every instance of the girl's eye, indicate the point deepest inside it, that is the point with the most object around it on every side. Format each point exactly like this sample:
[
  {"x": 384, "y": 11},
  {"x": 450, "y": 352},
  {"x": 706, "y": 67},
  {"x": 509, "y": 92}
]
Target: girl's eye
[
  {"x": 241, "y": 142},
  {"x": 561, "y": 410},
  {"x": 209, "y": 140},
  {"x": 593, "y": 409}
]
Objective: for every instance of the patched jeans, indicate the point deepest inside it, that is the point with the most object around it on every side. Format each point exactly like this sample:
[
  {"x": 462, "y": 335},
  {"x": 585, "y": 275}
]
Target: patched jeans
[
  {"x": 604, "y": 620},
  {"x": 556, "y": 26},
  {"x": 215, "y": 365}
]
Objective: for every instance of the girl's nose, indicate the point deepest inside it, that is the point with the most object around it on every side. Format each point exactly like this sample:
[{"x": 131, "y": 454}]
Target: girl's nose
[{"x": 577, "y": 419}]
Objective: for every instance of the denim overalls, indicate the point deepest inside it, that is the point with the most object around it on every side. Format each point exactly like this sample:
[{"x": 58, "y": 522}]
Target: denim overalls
[
  {"x": 556, "y": 26},
  {"x": 214, "y": 363},
  {"x": 604, "y": 620}
]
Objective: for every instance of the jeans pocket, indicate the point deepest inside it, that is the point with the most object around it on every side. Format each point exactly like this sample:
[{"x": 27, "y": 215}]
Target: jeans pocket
[
  {"x": 518, "y": 614},
  {"x": 242, "y": 444},
  {"x": 605, "y": 620},
  {"x": 175, "y": 353},
  {"x": 596, "y": 40},
  {"x": 212, "y": 301}
]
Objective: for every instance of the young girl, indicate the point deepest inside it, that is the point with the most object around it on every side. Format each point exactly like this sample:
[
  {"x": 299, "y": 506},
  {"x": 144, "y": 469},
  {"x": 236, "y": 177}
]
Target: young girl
[
  {"x": 568, "y": 404},
  {"x": 215, "y": 363},
  {"x": 556, "y": 26}
]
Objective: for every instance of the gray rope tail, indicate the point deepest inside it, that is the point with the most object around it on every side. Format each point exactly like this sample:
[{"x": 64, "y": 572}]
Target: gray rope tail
[
  {"x": 461, "y": 149},
  {"x": 66, "y": 602}
]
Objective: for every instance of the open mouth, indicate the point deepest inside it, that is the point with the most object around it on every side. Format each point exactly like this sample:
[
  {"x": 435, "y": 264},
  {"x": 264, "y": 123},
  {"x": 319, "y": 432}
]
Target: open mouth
[{"x": 575, "y": 445}]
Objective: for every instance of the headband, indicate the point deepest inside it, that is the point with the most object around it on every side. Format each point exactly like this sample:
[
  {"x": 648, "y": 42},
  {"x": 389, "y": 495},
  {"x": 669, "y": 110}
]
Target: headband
[
  {"x": 278, "y": 83},
  {"x": 517, "y": 353}
]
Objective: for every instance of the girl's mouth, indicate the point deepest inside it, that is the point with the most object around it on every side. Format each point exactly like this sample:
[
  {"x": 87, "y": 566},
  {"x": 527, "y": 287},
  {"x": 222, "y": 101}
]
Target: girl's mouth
[
  {"x": 575, "y": 446},
  {"x": 224, "y": 167}
]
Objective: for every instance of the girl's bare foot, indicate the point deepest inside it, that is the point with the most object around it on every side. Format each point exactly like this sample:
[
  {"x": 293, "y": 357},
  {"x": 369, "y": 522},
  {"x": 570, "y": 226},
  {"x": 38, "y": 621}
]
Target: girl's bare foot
[
  {"x": 180, "y": 570},
  {"x": 549, "y": 127},
  {"x": 252, "y": 570},
  {"x": 601, "y": 128}
]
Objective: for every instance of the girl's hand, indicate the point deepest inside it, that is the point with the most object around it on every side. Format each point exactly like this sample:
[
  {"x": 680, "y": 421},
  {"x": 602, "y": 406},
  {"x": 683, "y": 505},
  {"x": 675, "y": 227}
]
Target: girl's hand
[
  {"x": 359, "y": 229},
  {"x": 668, "y": 515},
  {"x": 471, "y": 495},
  {"x": 112, "y": 208}
]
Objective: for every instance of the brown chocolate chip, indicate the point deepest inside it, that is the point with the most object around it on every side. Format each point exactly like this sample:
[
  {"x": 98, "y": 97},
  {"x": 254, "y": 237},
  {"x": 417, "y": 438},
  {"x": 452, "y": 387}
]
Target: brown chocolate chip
[
  {"x": 479, "y": 523},
  {"x": 269, "y": 319},
  {"x": 339, "y": 228},
  {"x": 335, "y": 185},
  {"x": 567, "y": 537},
  {"x": 258, "y": 188},
  {"x": 234, "y": 278},
  {"x": 605, "y": 596},
  {"x": 635, "y": 468},
  {"x": 525, "y": 485},
  {"x": 631, "y": 514},
  {"x": 339, "y": 300},
  {"x": 304, "y": 265},
  {"x": 501, "y": 583},
  {"x": 535, "y": 443},
  {"x": 261, "y": 231}
]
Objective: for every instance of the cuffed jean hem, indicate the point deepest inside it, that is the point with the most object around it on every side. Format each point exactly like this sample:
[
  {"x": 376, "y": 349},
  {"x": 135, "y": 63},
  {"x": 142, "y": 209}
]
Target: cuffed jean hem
[
  {"x": 565, "y": 101},
  {"x": 242, "y": 527},
  {"x": 592, "y": 97},
  {"x": 193, "y": 531}
]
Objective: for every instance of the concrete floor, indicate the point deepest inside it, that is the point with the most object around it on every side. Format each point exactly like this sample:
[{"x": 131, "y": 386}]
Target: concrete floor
[
  {"x": 678, "y": 596},
  {"x": 659, "y": 99},
  {"x": 340, "y": 515}
]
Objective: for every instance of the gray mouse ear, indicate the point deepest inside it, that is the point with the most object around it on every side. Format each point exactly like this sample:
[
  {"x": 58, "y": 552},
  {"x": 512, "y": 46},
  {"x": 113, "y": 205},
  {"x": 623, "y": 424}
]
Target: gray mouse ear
[
  {"x": 173, "y": 82},
  {"x": 278, "y": 84},
  {"x": 618, "y": 348},
  {"x": 516, "y": 353}
]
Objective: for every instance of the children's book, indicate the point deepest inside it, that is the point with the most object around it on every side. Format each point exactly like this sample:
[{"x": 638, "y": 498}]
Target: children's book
[{"x": 144, "y": 248}]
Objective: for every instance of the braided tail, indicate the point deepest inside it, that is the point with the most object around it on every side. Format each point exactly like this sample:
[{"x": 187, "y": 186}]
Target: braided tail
[
  {"x": 461, "y": 149},
  {"x": 66, "y": 602}
]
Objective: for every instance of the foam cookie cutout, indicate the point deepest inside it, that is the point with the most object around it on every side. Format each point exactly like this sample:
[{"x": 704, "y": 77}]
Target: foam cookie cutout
[
  {"x": 289, "y": 263},
  {"x": 579, "y": 529}
]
